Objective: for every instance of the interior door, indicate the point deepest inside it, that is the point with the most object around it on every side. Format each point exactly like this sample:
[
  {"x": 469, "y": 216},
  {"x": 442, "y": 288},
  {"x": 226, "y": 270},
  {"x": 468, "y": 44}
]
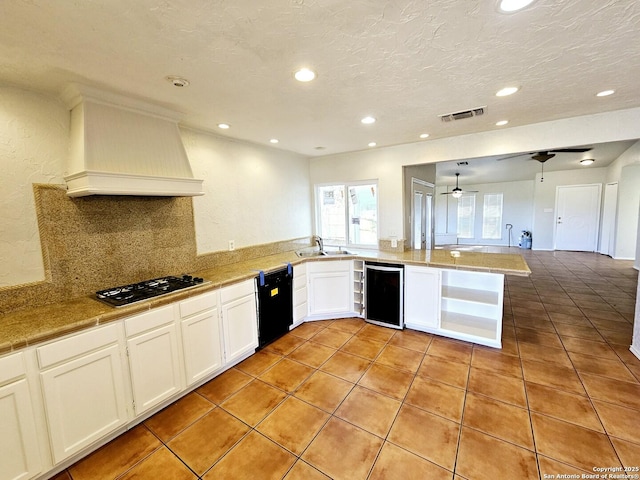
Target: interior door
[
  {"x": 577, "y": 217},
  {"x": 421, "y": 215},
  {"x": 607, "y": 239}
]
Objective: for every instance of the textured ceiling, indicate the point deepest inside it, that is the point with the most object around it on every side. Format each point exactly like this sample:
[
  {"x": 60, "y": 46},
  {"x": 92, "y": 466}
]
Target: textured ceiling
[{"x": 403, "y": 62}]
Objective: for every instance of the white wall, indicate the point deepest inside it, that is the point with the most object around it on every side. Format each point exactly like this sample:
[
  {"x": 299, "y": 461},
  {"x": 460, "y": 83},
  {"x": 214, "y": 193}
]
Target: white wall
[
  {"x": 385, "y": 163},
  {"x": 253, "y": 194},
  {"x": 517, "y": 202},
  {"x": 33, "y": 149},
  {"x": 627, "y": 220}
]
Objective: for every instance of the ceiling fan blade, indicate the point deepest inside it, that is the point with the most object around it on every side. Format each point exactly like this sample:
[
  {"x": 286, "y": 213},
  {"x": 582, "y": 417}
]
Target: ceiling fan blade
[
  {"x": 512, "y": 156},
  {"x": 571, "y": 150},
  {"x": 470, "y": 191}
]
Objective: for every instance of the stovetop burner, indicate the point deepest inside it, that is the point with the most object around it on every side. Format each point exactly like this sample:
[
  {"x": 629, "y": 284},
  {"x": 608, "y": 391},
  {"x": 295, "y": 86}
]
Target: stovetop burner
[{"x": 138, "y": 292}]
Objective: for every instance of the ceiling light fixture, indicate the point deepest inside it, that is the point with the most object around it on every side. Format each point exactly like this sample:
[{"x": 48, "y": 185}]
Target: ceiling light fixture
[
  {"x": 177, "y": 81},
  {"x": 274, "y": 140},
  {"x": 502, "y": 123},
  {"x": 506, "y": 91},
  {"x": 605, "y": 93},
  {"x": 368, "y": 120},
  {"x": 223, "y": 126},
  {"x": 587, "y": 161},
  {"x": 305, "y": 75},
  {"x": 372, "y": 144},
  {"x": 424, "y": 135},
  {"x": 510, "y": 6}
]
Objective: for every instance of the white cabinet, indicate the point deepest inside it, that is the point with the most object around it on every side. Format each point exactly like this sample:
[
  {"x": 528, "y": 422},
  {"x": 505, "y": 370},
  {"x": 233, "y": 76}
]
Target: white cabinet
[
  {"x": 154, "y": 358},
  {"x": 201, "y": 342},
  {"x": 300, "y": 304},
  {"x": 239, "y": 321},
  {"x": 472, "y": 306},
  {"x": 83, "y": 388},
  {"x": 19, "y": 451},
  {"x": 330, "y": 289},
  {"x": 422, "y": 287}
]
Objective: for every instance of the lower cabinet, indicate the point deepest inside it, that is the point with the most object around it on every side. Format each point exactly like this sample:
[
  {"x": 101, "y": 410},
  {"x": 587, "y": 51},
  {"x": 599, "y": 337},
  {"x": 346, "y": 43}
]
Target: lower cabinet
[
  {"x": 19, "y": 451},
  {"x": 239, "y": 321},
  {"x": 154, "y": 358},
  {"x": 330, "y": 288},
  {"x": 422, "y": 287},
  {"x": 300, "y": 305},
  {"x": 201, "y": 342},
  {"x": 83, "y": 388}
]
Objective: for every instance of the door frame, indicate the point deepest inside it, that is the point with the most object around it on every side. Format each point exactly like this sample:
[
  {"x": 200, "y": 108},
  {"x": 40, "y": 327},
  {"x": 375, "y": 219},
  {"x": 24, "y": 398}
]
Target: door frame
[
  {"x": 422, "y": 183},
  {"x": 609, "y": 216}
]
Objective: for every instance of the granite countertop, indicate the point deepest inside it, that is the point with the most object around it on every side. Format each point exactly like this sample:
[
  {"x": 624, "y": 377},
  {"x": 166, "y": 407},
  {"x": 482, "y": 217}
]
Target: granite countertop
[{"x": 30, "y": 326}]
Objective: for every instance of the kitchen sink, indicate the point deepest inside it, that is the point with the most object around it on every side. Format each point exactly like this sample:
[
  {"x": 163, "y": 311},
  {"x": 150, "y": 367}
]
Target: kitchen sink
[
  {"x": 313, "y": 253},
  {"x": 322, "y": 253}
]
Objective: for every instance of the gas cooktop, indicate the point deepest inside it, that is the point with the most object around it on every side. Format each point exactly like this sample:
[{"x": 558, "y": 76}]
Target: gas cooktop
[{"x": 139, "y": 292}]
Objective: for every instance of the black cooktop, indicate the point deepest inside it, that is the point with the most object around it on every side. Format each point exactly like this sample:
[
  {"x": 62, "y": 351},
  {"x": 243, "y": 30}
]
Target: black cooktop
[{"x": 139, "y": 292}]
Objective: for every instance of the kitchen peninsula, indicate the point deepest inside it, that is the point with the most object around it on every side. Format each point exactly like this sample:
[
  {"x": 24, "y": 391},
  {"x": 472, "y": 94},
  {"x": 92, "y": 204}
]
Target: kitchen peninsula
[{"x": 29, "y": 326}]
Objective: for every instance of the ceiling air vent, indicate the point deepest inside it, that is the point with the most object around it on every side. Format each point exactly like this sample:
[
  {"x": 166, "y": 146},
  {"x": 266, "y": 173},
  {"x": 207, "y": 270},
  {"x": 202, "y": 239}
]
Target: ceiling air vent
[{"x": 474, "y": 112}]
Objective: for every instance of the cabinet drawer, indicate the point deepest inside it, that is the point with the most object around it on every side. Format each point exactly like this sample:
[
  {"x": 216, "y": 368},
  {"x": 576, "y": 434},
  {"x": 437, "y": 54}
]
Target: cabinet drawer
[
  {"x": 198, "y": 304},
  {"x": 149, "y": 320},
  {"x": 12, "y": 367},
  {"x": 299, "y": 270},
  {"x": 77, "y": 345},
  {"x": 238, "y": 290},
  {"x": 299, "y": 282},
  {"x": 300, "y": 296},
  {"x": 329, "y": 266}
]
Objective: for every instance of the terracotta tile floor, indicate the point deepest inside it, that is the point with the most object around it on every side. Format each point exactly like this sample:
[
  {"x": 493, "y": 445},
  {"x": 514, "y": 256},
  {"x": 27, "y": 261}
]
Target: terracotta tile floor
[{"x": 348, "y": 400}]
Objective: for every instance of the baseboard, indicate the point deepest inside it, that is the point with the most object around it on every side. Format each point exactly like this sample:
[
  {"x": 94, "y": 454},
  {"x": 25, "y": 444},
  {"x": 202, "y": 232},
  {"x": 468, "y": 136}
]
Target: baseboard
[{"x": 635, "y": 351}]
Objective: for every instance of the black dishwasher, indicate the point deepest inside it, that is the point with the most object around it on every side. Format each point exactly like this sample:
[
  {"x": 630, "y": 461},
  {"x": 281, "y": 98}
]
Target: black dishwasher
[{"x": 275, "y": 304}]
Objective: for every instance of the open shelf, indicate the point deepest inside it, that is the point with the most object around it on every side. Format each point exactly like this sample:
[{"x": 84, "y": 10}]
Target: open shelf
[
  {"x": 471, "y": 295},
  {"x": 468, "y": 325}
]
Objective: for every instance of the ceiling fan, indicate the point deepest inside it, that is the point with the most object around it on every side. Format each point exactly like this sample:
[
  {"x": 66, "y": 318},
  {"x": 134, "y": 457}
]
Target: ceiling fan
[
  {"x": 545, "y": 155},
  {"x": 457, "y": 192}
]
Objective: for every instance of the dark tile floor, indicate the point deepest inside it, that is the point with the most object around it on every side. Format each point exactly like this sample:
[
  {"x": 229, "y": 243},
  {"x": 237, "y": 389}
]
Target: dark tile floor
[{"x": 348, "y": 400}]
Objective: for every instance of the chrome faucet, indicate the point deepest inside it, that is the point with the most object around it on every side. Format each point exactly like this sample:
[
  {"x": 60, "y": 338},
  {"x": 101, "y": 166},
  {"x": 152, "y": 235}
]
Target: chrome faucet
[{"x": 319, "y": 241}]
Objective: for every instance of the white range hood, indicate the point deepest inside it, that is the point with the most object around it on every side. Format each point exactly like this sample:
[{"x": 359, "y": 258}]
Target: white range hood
[{"x": 122, "y": 146}]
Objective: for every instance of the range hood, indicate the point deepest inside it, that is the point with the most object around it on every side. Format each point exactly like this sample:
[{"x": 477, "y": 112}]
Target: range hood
[{"x": 123, "y": 146}]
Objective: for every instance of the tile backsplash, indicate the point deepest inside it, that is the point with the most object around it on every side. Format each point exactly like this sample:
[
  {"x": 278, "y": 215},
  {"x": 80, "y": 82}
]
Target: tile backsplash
[{"x": 91, "y": 243}]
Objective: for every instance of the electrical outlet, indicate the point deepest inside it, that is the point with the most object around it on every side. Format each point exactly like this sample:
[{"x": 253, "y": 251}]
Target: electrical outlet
[
  {"x": 232, "y": 245},
  {"x": 394, "y": 243}
]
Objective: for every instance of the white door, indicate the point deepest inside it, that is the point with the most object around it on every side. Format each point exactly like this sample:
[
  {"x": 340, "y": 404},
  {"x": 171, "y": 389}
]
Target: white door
[
  {"x": 607, "y": 240},
  {"x": 577, "y": 217}
]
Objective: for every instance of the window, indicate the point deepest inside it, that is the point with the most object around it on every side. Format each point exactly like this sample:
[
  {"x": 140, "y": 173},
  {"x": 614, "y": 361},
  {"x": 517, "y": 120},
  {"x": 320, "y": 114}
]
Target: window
[
  {"x": 466, "y": 215},
  {"x": 348, "y": 214},
  {"x": 492, "y": 216}
]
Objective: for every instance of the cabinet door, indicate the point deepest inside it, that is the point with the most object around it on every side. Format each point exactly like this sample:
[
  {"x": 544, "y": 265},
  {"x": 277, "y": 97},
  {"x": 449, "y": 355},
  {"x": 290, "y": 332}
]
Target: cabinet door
[
  {"x": 422, "y": 287},
  {"x": 201, "y": 345},
  {"x": 240, "y": 326},
  {"x": 330, "y": 293},
  {"x": 155, "y": 367},
  {"x": 84, "y": 400},
  {"x": 19, "y": 452}
]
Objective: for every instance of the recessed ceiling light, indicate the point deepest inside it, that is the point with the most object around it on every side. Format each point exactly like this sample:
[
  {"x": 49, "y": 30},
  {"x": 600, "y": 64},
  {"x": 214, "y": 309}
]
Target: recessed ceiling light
[
  {"x": 605, "y": 93},
  {"x": 506, "y": 91},
  {"x": 177, "y": 81},
  {"x": 368, "y": 120},
  {"x": 274, "y": 140},
  {"x": 304, "y": 75},
  {"x": 223, "y": 126},
  {"x": 424, "y": 135},
  {"x": 587, "y": 161},
  {"x": 510, "y": 6},
  {"x": 372, "y": 144},
  {"x": 502, "y": 122}
]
